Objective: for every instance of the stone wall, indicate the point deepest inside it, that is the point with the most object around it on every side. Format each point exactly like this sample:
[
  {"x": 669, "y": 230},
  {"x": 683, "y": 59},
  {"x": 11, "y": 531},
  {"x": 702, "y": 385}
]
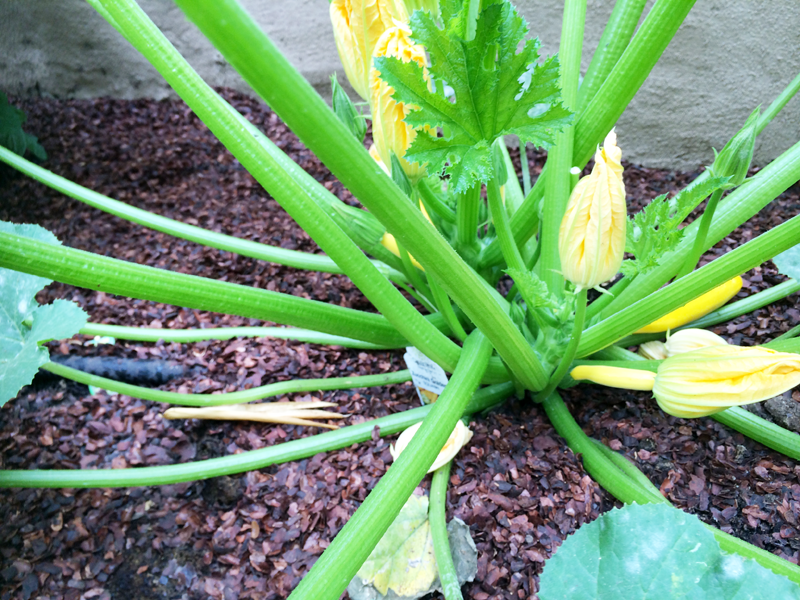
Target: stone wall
[{"x": 728, "y": 57}]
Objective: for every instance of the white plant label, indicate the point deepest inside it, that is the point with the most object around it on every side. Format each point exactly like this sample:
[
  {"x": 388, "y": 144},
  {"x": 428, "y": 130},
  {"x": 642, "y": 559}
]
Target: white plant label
[{"x": 428, "y": 377}]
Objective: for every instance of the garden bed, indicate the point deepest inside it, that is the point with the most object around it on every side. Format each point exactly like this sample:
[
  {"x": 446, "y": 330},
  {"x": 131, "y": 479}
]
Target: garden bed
[{"x": 516, "y": 484}]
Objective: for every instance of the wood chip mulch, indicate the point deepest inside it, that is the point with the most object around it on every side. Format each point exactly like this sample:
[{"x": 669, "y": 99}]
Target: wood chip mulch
[{"x": 517, "y": 485}]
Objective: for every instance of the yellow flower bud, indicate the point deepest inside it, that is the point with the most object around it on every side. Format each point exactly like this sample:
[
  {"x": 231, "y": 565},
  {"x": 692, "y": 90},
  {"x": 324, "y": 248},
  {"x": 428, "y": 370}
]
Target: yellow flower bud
[
  {"x": 687, "y": 340},
  {"x": 711, "y": 379},
  {"x": 653, "y": 350},
  {"x": 591, "y": 241},
  {"x": 357, "y": 25},
  {"x": 699, "y": 307},
  {"x": 616, "y": 377},
  {"x": 458, "y": 439},
  {"x": 390, "y": 133}
]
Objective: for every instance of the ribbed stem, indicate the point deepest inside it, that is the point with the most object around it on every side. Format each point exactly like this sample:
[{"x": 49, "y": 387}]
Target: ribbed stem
[
  {"x": 467, "y": 221},
  {"x": 616, "y": 37},
  {"x": 758, "y": 429},
  {"x": 559, "y": 157},
  {"x": 352, "y": 545},
  {"x": 693, "y": 257},
  {"x": 726, "y": 313},
  {"x": 441, "y": 544},
  {"x": 256, "y": 393},
  {"x": 245, "y": 461},
  {"x": 291, "y": 258},
  {"x": 186, "y": 336},
  {"x": 442, "y": 301},
  {"x": 511, "y": 252},
  {"x": 91, "y": 271}
]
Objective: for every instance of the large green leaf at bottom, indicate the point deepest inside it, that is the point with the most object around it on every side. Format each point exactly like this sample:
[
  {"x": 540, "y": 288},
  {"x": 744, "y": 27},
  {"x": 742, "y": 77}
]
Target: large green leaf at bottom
[
  {"x": 24, "y": 324},
  {"x": 654, "y": 552}
]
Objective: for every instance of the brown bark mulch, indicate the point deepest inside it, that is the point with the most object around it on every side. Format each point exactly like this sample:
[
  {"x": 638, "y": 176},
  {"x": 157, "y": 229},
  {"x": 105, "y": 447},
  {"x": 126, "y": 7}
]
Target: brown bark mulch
[{"x": 517, "y": 485}]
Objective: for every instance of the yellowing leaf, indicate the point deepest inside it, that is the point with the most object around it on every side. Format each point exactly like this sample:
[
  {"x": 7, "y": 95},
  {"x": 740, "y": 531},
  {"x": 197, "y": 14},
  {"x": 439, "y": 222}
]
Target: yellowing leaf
[{"x": 403, "y": 561}]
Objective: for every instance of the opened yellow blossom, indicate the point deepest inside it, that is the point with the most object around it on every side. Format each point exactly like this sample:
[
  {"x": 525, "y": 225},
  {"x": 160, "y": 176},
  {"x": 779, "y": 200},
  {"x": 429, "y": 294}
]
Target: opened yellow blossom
[
  {"x": 687, "y": 340},
  {"x": 591, "y": 241},
  {"x": 699, "y": 307},
  {"x": 458, "y": 439},
  {"x": 357, "y": 26},
  {"x": 709, "y": 380},
  {"x": 391, "y": 134},
  {"x": 616, "y": 377}
]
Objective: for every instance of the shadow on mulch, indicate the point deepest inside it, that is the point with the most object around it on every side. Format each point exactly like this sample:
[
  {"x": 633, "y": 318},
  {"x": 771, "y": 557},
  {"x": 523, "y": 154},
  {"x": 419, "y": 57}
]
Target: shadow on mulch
[{"x": 517, "y": 485}]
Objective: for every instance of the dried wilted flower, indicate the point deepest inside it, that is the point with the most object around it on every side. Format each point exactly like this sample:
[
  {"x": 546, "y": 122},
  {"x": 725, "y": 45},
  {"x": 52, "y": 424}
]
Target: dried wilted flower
[
  {"x": 357, "y": 25},
  {"x": 709, "y": 380},
  {"x": 591, "y": 241},
  {"x": 654, "y": 350},
  {"x": 458, "y": 439},
  {"x": 699, "y": 307},
  {"x": 687, "y": 340},
  {"x": 392, "y": 135}
]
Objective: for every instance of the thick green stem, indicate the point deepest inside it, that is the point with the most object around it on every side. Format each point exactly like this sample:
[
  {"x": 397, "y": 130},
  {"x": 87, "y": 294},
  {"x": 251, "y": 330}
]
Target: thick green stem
[
  {"x": 91, "y": 271},
  {"x": 415, "y": 277},
  {"x": 268, "y": 169},
  {"x": 446, "y": 309},
  {"x": 616, "y": 37},
  {"x": 793, "y": 332},
  {"x": 246, "y": 461},
  {"x": 667, "y": 299},
  {"x": 758, "y": 429},
  {"x": 558, "y": 184},
  {"x": 777, "y": 105},
  {"x": 615, "y": 478},
  {"x": 726, "y": 313},
  {"x": 600, "y": 115},
  {"x": 353, "y": 544},
  {"x": 572, "y": 347},
  {"x": 433, "y": 203},
  {"x": 467, "y": 221},
  {"x": 526, "y": 168},
  {"x": 693, "y": 257},
  {"x": 290, "y": 258},
  {"x": 441, "y": 545},
  {"x": 256, "y": 393},
  {"x": 605, "y": 299},
  {"x": 254, "y": 55},
  {"x": 186, "y": 336},
  {"x": 500, "y": 218}
]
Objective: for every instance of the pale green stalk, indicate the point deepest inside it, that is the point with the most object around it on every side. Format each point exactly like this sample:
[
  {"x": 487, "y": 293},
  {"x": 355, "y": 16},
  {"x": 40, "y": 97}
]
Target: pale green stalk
[{"x": 558, "y": 184}]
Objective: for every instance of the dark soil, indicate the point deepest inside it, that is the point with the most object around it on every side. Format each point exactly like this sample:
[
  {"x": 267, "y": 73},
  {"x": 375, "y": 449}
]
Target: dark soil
[{"x": 517, "y": 485}]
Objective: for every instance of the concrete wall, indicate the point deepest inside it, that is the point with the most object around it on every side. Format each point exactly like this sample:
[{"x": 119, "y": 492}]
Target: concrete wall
[{"x": 728, "y": 57}]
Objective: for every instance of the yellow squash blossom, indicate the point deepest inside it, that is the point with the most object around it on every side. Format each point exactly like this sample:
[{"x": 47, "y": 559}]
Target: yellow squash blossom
[
  {"x": 687, "y": 340},
  {"x": 699, "y": 307},
  {"x": 357, "y": 26},
  {"x": 591, "y": 241},
  {"x": 616, "y": 377},
  {"x": 458, "y": 439},
  {"x": 711, "y": 379},
  {"x": 391, "y": 134}
]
